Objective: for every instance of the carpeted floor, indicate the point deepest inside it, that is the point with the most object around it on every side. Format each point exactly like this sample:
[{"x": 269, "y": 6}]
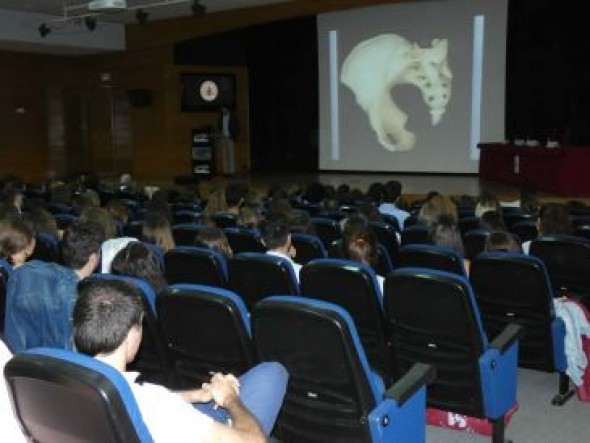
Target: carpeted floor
[{"x": 536, "y": 420}]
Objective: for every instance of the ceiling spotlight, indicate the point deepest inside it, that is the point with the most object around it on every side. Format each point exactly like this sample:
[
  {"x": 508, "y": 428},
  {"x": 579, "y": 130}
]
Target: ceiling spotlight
[
  {"x": 141, "y": 16},
  {"x": 198, "y": 8},
  {"x": 90, "y": 23},
  {"x": 44, "y": 30}
]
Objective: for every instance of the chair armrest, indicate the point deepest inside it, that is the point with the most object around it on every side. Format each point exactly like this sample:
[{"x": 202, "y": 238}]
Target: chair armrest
[
  {"x": 418, "y": 375},
  {"x": 507, "y": 337}
]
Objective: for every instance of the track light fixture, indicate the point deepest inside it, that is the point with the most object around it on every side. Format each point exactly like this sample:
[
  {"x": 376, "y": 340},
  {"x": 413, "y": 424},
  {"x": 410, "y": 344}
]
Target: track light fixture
[
  {"x": 198, "y": 8},
  {"x": 90, "y": 23},
  {"x": 141, "y": 16},
  {"x": 44, "y": 29}
]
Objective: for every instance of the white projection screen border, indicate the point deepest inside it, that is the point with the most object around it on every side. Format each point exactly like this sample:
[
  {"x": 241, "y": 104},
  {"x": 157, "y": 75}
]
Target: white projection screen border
[{"x": 411, "y": 87}]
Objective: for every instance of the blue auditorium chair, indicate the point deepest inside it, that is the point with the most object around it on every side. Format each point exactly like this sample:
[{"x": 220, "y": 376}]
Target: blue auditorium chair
[
  {"x": 430, "y": 256},
  {"x": 192, "y": 264},
  {"x": 515, "y": 288},
  {"x": 308, "y": 247},
  {"x": 433, "y": 318},
  {"x": 254, "y": 276},
  {"x": 353, "y": 286},
  {"x": 206, "y": 330},
  {"x": 61, "y": 396},
  {"x": 333, "y": 395}
]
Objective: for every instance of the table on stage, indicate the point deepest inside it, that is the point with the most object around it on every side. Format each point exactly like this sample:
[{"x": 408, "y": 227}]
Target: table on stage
[{"x": 564, "y": 170}]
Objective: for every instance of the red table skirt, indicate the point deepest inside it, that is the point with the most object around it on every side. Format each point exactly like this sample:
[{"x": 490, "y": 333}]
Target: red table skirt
[{"x": 563, "y": 170}]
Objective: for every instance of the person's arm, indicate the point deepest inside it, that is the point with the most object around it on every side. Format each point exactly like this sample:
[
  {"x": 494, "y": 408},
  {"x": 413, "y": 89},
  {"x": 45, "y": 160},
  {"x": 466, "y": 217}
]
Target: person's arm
[{"x": 245, "y": 427}]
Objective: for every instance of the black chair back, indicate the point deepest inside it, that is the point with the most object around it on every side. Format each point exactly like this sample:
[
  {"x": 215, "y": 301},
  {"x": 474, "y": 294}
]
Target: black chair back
[
  {"x": 329, "y": 383},
  {"x": 206, "y": 330},
  {"x": 416, "y": 234},
  {"x": 430, "y": 256},
  {"x": 567, "y": 259},
  {"x": 254, "y": 276},
  {"x": 308, "y": 247},
  {"x": 515, "y": 288},
  {"x": 244, "y": 240},
  {"x": 433, "y": 318},
  {"x": 328, "y": 230},
  {"x": 184, "y": 234},
  {"x": 62, "y": 396},
  {"x": 353, "y": 286},
  {"x": 387, "y": 236},
  {"x": 192, "y": 264}
]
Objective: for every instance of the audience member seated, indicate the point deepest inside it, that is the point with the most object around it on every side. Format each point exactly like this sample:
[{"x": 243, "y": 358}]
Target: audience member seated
[
  {"x": 361, "y": 246},
  {"x": 43, "y": 222},
  {"x": 101, "y": 217},
  {"x": 493, "y": 221},
  {"x": 137, "y": 260},
  {"x": 553, "y": 218},
  {"x": 40, "y": 296},
  {"x": 277, "y": 238},
  {"x": 118, "y": 211},
  {"x": 214, "y": 238},
  {"x": 501, "y": 241},
  {"x": 392, "y": 191},
  {"x": 249, "y": 218},
  {"x": 235, "y": 197},
  {"x": 109, "y": 249},
  {"x": 107, "y": 325},
  {"x": 446, "y": 233},
  {"x": 158, "y": 205},
  {"x": 487, "y": 202},
  {"x": 11, "y": 432},
  {"x": 17, "y": 241},
  {"x": 157, "y": 230}
]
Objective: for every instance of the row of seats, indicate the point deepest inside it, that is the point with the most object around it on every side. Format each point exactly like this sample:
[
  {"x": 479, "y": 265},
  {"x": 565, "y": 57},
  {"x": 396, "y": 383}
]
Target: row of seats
[{"x": 195, "y": 322}]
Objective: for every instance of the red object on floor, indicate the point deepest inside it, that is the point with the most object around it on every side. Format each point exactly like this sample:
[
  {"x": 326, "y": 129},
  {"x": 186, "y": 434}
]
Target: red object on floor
[{"x": 465, "y": 423}]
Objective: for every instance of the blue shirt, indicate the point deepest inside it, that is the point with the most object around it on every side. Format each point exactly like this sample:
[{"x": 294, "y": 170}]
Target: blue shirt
[{"x": 40, "y": 298}]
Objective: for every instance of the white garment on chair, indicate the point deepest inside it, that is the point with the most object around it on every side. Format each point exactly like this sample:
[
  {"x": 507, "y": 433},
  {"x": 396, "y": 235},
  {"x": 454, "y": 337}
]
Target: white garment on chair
[{"x": 576, "y": 326}]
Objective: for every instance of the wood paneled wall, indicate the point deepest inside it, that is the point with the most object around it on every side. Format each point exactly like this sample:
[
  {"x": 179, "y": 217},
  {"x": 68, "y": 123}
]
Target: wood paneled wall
[{"x": 75, "y": 119}]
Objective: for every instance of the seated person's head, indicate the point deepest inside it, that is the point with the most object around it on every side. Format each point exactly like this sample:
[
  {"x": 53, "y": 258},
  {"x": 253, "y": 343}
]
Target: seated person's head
[
  {"x": 137, "y": 260},
  {"x": 43, "y": 221},
  {"x": 554, "y": 218},
  {"x": 81, "y": 245},
  {"x": 275, "y": 234},
  {"x": 101, "y": 217},
  {"x": 249, "y": 217},
  {"x": 156, "y": 229},
  {"x": 493, "y": 221},
  {"x": 354, "y": 223},
  {"x": 214, "y": 238},
  {"x": 17, "y": 241},
  {"x": 235, "y": 194},
  {"x": 501, "y": 241},
  {"x": 361, "y": 246},
  {"x": 118, "y": 210},
  {"x": 392, "y": 191},
  {"x": 106, "y": 312},
  {"x": 487, "y": 202},
  {"x": 446, "y": 233}
]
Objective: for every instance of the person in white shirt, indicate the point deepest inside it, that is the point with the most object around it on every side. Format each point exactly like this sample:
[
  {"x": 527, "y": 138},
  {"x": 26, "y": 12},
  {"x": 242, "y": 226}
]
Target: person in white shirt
[
  {"x": 277, "y": 238},
  {"x": 107, "y": 322},
  {"x": 392, "y": 191},
  {"x": 11, "y": 431}
]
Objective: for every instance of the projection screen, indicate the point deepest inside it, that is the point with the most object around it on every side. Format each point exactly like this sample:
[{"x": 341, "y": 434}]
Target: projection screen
[{"x": 411, "y": 87}]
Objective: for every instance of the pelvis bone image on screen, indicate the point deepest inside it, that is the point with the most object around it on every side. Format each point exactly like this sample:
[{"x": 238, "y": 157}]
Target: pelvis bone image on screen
[{"x": 377, "y": 65}]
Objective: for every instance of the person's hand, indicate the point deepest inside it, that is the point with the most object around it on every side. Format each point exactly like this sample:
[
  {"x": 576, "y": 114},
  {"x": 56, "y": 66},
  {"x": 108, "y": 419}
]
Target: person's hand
[{"x": 224, "y": 389}]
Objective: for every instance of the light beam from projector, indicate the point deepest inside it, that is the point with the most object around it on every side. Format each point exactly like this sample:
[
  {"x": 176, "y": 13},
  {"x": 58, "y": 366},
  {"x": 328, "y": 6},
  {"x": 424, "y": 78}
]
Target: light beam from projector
[
  {"x": 476, "y": 85},
  {"x": 334, "y": 98},
  {"x": 376, "y": 65}
]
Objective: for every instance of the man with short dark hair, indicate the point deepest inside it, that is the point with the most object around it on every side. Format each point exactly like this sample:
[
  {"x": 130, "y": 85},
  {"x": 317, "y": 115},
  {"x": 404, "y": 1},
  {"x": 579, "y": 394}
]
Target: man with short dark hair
[
  {"x": 276, "y": 236},
  {"x": 107, "y": 323},
  {"x": 235, "y": 195},
  {"x": 392, "y": 191},
  {"x": 40, "y": 295}
]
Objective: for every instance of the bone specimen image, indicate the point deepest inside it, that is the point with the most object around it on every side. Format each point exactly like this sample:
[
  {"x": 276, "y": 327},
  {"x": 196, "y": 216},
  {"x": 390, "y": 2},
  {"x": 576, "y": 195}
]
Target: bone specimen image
[{"x": 375, "y": 66}]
